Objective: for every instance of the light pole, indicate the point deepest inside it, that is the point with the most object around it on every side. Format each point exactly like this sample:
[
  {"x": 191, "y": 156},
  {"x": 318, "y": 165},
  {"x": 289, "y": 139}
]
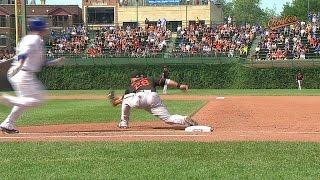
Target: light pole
[
  {"x": 16, "y": 13},
  {"x": 23, "y": 17},
  {"x": 137, "y": 14},
  {"x": 186, "y": 15}
]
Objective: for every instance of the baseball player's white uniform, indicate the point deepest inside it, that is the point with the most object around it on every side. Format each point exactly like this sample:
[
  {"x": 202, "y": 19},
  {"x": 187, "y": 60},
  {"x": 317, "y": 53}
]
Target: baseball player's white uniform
[
  {"x": 30, "y": 60},
  {"x": 28, "y": 88},
  {"x": 151, "y": 102},
  {"x": 141, "y": 94}
]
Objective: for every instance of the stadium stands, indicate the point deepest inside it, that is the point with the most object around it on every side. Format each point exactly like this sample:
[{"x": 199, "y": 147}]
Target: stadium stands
[
  {"x": 130, "y": 42},
  {"x": 224, "y": 40},
  {"x": 298, "y": 41},
  {"x": 68, "y": 41}
]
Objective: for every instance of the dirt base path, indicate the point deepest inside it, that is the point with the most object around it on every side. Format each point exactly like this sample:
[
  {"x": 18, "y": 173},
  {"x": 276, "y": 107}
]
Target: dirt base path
[{"x": 234, "y": 118}]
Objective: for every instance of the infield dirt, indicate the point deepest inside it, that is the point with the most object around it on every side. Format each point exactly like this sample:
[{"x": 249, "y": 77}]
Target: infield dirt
[{"x": 234, "y": 118}]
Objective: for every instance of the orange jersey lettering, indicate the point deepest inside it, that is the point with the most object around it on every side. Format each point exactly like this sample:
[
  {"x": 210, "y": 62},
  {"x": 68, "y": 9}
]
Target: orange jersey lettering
[{"x": 141, "y": 82}]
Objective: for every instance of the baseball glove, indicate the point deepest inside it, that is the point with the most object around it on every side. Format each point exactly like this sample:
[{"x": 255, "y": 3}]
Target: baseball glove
[{"x": 114, "y": 100}]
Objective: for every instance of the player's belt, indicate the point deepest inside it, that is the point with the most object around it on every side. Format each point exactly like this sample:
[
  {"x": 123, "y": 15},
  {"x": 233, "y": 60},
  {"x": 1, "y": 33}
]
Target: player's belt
[
  {"x": 145, "y": 91},
  {"x": 25, "y": 70}
]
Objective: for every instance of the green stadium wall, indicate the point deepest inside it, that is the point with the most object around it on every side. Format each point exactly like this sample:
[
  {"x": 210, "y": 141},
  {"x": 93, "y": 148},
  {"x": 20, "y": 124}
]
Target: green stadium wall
[{"x": 200, "y": 76}]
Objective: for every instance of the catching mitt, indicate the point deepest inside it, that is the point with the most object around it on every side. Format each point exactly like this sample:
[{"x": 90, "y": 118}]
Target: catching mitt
[{"x": 113, "y": 99}]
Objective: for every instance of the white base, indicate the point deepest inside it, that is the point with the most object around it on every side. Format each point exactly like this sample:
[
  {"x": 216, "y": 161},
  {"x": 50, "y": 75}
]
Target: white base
[{"x": 199, "y": 129}]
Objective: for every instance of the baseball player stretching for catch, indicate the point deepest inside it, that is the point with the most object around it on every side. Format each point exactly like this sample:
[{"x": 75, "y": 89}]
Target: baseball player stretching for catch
[
  {"x": 141, "y": 93},
  {"x": 22, "y": 77}
]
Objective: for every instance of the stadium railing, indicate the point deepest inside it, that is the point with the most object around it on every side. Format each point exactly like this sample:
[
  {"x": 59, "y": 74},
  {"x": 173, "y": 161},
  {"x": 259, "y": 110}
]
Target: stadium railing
[
  {"x": 71, "y": 60},
  {"x": 84, "y": 60},
  {"x": 282, "y": 63}
]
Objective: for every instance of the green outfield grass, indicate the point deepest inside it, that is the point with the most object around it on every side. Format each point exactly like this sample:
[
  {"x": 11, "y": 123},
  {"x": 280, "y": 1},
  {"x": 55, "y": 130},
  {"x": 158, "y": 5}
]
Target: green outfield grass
[
  {"x": 151, "y": 160},
  {"x": 92, "y": 111},
  {"x": 160, "y": 160}
]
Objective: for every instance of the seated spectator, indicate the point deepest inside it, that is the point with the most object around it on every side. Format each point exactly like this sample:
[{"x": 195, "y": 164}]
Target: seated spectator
[
  {"x": 302, "y": 54},
  {"x": 313, "y": 42},
  {"x": 273, "y": 55},
  {"x": 50, "y": 54},
  {"x": 258, "y": 49},
  {"x": 287, "y": 46},
  {"x": 285, "y": 55},
  {"x": 92, "y": 52},
  {"x": 268, "y": 56},
  {"x": 296, "y": 55},
  {"x": 279, "y": 55},
  {"x": 231, "y": 52},
  {"x": 179, "y": 29},
  {"x": 244, "y": 50}
]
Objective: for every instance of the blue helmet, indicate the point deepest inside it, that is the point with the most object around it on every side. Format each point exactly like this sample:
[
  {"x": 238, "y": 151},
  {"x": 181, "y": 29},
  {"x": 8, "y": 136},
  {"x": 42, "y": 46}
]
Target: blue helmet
[{"x": 37, "y": 24}]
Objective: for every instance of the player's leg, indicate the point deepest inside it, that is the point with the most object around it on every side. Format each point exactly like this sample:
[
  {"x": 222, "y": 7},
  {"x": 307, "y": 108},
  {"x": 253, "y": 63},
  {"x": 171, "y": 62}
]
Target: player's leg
[
  {"x": 125, "y": 115},
  {"x": 299, "y": 84},
  {"x": 158, "y": 109},
  {"x": 29, "y": 91},
  {"x": 129, "y": 101},
  {"x": 165, "y": 88},
  {"x": 133, "y": 100},
  {"x": 8, "y": 125},
  {"x": 23, "y": 101},
  {"x": 29, "y": 94}
]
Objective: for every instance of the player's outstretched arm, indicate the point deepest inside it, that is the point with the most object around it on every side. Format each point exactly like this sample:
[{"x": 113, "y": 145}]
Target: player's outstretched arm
[{"x": 180, "y": 86}]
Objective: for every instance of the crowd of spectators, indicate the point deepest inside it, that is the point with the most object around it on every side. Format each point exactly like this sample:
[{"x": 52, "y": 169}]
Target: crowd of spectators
[
  {"x": 73, "y": 40},
  {"x": 224, "y": 40},
  {"x": 116, "y": 41},
  {"x": 296, "y": 41},
  {"x": 291, "y": 42},
  {"x": 6, "y": 54},
  {"x": 314, "y": 39}
]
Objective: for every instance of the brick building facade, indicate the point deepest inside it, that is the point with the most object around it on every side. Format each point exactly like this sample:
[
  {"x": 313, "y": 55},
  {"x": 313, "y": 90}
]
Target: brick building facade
[{"x": 59, "y": 16}]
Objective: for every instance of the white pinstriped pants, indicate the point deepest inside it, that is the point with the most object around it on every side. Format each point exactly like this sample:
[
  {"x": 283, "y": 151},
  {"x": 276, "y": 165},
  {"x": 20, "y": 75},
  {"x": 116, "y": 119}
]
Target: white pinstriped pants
[
  {"x": 29, "y": 91},
  {"x": 151, "y": 102}
]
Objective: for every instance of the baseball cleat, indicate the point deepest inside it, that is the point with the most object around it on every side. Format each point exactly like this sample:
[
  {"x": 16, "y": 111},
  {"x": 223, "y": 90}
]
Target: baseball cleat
[
  {"x": 190, "y": 122},
  {"x": 123, "y": 124},
  {"x": 8, "y": 131}
]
